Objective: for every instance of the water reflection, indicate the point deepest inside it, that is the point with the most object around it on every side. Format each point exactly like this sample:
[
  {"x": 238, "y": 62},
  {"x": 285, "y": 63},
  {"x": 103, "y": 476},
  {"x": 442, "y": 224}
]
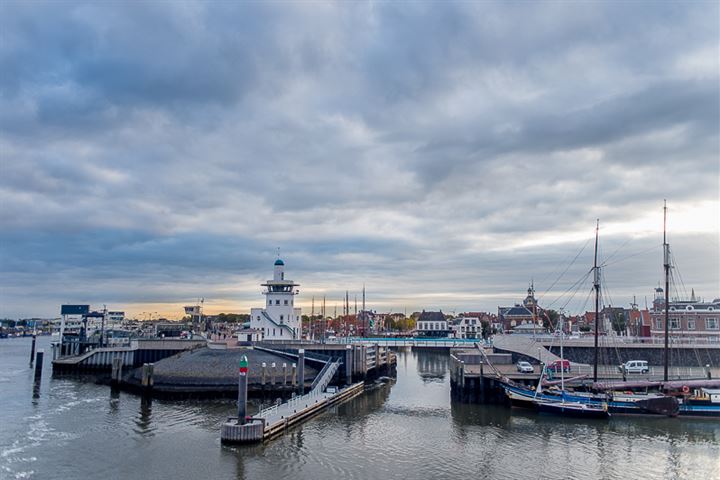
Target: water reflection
[
  {"x": 432, "y": 365},
  {"x": 144, "y": 419}
]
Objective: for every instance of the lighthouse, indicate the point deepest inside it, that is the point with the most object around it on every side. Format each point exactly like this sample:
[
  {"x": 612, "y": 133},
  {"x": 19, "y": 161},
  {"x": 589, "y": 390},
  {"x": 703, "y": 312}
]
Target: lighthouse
[{"x": 279, "y": 319}]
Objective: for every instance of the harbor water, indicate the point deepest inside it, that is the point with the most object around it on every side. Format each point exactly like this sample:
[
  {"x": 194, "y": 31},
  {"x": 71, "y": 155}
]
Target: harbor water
[{"x": 406, "y": 428}]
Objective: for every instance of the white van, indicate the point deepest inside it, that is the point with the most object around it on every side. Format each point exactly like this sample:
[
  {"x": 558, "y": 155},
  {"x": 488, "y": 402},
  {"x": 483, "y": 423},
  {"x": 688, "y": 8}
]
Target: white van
[{"x": 634, "y": 366}]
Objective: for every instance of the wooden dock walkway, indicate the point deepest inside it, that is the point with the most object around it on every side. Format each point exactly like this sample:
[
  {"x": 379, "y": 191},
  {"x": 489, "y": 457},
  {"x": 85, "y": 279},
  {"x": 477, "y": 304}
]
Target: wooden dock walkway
[{"x": 273, "y": 421}]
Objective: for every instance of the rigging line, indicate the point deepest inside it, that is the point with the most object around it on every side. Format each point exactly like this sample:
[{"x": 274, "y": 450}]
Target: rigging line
[
  {"x": 587, "y": 298},
  {"x": 580, "y": 285},
  {"x": 630, "y": 256},
  {"x": 677, "y": 269},
  {"x": 571, "y": 287},
  {"x": 566, "y": 269},
  {"x": 618, "y": 249}
]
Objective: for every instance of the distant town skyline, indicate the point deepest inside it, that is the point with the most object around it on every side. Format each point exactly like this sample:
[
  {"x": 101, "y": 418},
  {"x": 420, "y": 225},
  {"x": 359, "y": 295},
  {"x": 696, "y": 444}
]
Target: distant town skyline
[{"x": 444, "y": 155}]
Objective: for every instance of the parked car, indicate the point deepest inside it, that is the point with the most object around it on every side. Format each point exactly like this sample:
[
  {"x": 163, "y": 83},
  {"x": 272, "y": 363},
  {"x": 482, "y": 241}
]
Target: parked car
[
  {"x": 525, "y": 367},
  {"x": 634, "y": 366},
  {"x": 559, "y": 365}
]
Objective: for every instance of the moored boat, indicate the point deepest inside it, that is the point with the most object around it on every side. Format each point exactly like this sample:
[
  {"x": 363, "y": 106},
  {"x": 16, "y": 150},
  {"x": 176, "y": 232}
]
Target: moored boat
[{"x": 573, "y": 409}]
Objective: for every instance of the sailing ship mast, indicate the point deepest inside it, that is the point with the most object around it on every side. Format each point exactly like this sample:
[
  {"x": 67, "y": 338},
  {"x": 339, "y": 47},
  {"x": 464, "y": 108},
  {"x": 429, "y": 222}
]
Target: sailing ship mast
[
  {"x": 666, "y": 264},
  {"x": 597, "y": 301}
]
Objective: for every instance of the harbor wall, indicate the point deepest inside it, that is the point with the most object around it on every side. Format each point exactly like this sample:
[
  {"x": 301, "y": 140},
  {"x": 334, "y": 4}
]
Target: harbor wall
[{"x": 679, "y": 357}]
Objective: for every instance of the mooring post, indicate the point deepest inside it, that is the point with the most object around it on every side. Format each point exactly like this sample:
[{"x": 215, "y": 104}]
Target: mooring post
[
  {"x": 32, "y": 350},
  {"x": 39, "y": 365},
  {"x": 348, "y": 364},
  {"x": 301, "y": 371},
  {"x": 293, "y": 376},
  {"x": 284, "y": 373},
  {"x": 482, "y": 383},
  {"x": 263, "y": 374},
  {"x": 272, "y": 373},
  {"x": 709, "y": 374},
  {"x": 147, "y": 375},
  {"x": 116, "y": 371},
  {"x": 242, "y": 390}
]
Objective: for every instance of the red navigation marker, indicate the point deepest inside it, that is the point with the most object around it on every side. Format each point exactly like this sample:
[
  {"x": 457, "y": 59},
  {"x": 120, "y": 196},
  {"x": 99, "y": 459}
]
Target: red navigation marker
[{"x": 243, "y": 365}]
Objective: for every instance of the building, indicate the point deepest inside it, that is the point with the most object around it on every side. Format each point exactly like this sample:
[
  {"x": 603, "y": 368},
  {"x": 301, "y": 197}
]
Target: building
[
  {"x": 432, "y": 324},
  {"x": 528, "y": 312},
  {"x": 691, "y": 318},
  {"x": 466, "y": 327},
  {"x": 279, "y": 320}
]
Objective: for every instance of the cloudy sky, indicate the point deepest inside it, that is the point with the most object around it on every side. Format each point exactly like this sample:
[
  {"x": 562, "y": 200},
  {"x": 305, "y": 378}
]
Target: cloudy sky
[{"x": 444, "y": 154}]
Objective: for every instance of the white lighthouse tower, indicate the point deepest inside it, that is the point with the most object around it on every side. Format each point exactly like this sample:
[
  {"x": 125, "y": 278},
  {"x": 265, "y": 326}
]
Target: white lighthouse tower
[{"x": 279, "y": 320}]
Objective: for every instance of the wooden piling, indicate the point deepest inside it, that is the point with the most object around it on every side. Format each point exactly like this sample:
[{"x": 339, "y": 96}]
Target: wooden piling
[
  {"x": 301, "y": 371},
  {"x": 116, "y": 374},
  {"x": 38, "y": 373},
  {"x": 284, "y": 374},
  {"x": 147, "y": 376},
  {"x": 39, "y": 365},
  {"x": 32, "y": 350},
  {"x": 348, "y": 364}
]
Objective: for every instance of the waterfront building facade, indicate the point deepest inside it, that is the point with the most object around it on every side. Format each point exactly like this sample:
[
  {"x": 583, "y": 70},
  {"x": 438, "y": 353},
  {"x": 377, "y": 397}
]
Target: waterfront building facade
[
  {"x": 279, "y": 320},
  {"x": 466, "y": 327},
  {"x": 528, "y": 312},
  {"x": 691, "y": 318},
  {"x": 432, "y": 324}
]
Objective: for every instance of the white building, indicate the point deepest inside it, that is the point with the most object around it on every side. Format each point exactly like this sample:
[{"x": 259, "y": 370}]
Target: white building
[
  {"x": 467, "y": 327},
  {"x": 279, "y": 320}
]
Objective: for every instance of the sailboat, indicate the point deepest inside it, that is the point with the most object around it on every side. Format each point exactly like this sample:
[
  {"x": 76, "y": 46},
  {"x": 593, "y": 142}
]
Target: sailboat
[
  {"x": 613, "y": 402},
  {"x": 566, "y": 407},
  {"x": 701, "y": 401}
]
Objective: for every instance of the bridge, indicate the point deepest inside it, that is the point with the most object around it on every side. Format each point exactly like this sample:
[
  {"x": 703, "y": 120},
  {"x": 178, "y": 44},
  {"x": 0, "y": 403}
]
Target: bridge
[{"x": 424, "y": 342}]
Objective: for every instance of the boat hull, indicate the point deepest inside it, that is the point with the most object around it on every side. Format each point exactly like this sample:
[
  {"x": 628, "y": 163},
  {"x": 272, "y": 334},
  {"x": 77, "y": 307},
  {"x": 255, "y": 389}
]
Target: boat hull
[
  {"x": 576, "y": 410},
  {"x": 625, "y": 405}
]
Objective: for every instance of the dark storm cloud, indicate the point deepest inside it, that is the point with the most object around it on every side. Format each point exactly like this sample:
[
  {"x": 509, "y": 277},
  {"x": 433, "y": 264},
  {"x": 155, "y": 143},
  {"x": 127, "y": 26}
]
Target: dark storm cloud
[{"x": 160, "y": 151}]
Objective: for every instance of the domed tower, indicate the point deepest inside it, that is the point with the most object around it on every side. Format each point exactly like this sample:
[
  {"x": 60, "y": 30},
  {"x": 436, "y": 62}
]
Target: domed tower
[{"x": 279, "y": 320}]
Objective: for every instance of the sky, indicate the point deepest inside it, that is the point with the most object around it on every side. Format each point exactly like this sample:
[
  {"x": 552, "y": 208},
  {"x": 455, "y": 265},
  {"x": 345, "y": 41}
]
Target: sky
[{"x": 443, "y": 154}]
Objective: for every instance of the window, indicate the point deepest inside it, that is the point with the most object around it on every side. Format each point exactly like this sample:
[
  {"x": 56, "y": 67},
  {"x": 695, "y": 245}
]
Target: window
[
  {"x": 658, "y": 324},
  {"x": 273, "y": 332},
  {"x": 277, "y": 302},
  {"x": 674, "y": 324},
  {"x": 691, "y": 324},
  {"x": 282, "y": 317},
  {"x": 258, "y": 318},
  {"x": 711, "y": 323},
  {"x": 286, "y": 302}
]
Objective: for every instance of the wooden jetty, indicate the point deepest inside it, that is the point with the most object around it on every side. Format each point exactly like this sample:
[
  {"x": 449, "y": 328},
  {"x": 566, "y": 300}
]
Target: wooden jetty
[{"x": 273, "y": 421}]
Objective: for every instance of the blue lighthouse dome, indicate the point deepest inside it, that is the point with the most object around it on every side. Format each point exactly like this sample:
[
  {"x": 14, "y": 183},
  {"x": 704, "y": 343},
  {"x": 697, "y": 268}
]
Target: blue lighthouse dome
[{"x": 279, "y": 262}]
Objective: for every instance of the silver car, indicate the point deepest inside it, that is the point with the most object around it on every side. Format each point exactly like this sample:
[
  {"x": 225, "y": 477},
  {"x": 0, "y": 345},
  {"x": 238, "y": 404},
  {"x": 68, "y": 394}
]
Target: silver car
[{"x": 525, "y": 367}]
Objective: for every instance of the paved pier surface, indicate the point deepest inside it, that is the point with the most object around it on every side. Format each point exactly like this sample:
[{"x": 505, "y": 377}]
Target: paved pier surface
[{"x": 208, "y": 370}]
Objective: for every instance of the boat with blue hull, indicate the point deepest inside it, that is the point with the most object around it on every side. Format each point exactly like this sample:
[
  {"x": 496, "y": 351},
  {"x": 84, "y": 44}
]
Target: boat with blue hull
[{"x": 627, "y": 404}]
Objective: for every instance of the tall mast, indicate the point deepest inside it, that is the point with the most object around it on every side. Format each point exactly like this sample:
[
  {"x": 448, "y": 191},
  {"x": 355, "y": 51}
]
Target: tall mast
[
  {"x": 666, "y": 264},
  {"x": 311, "y": 329},
  {"x": 363, "y": 304},
  {"x": 597, "y": 300},
  {"x": 323, "y": 320}
]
